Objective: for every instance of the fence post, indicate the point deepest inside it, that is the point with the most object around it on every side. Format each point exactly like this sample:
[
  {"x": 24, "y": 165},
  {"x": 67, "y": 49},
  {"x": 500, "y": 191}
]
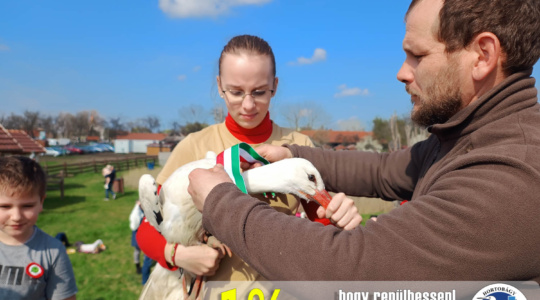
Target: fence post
[{"x": 65, "y": 168}]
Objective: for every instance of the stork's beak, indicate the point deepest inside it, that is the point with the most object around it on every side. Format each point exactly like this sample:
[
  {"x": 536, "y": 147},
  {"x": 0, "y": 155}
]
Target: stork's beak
[{"x": 322, "y": 198}]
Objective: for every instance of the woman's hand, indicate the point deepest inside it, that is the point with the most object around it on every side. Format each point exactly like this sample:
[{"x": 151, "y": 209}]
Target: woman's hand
[
  {"x": 273, "y": 153},
  {"x": 270, "y": 153},
  {"x": 200, "y": 260},
  {"x": 342, "y": 212}
]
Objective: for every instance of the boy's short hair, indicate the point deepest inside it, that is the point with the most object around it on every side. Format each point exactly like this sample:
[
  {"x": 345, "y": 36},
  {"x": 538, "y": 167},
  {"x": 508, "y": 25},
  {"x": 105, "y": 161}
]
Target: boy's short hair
[{"x": 21, "y": 175}]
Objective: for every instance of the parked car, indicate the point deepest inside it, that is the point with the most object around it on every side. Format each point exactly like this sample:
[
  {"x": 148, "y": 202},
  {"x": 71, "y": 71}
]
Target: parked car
[
  {"x": 90, "y": 149},
  {"x": 73, "y": 150},
  {"x": 104, "y": 147},
  {"x": 59, "y": 149},
  {"x": 52, "y": 152}
]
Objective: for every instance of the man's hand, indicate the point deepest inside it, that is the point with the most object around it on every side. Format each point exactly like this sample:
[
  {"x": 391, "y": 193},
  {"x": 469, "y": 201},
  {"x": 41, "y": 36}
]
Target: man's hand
[
  {"x": 342, "y": 212},
  {"x": 202, "y": 181},
  {"x": 270, "y": 153}
]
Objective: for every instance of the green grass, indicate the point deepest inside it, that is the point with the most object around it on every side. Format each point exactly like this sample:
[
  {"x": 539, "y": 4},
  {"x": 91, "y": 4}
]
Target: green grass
[{"x": 84, "y": 216}]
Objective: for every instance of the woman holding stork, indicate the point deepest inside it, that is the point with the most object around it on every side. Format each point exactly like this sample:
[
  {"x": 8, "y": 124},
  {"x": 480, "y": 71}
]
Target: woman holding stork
[{"x": 247, "y": 82}]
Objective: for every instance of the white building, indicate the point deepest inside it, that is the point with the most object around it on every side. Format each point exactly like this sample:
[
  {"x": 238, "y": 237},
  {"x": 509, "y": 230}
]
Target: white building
[{"x": 136, "y": 142}]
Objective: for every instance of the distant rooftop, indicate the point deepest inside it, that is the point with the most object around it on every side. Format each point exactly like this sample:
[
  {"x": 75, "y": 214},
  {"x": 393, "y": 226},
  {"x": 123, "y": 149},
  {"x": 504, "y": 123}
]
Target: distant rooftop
[
  {"x": 17, "y": 141},
  {"x": 142, "y": 136}
]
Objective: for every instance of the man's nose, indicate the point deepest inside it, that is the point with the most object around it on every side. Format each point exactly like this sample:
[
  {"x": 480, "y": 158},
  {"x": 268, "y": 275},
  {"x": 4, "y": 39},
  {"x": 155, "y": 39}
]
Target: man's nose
[{"x": 405, "y": 73}]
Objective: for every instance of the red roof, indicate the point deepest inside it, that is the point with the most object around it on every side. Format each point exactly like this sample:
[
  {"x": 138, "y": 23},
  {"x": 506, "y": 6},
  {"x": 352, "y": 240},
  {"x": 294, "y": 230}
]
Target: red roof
[
  {"x": 143, "y": 136},
  {"x": 28, "y": 144},
  {"x": 331, "y": 136},
  {"x": 8, "y": 143},
  {"x": 94, "y": 138}
]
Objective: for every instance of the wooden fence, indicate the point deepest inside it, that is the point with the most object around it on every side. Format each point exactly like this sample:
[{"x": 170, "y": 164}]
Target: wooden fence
[
  {"x": 56, "y": 182},
  {"x": 95, "y": 166}
]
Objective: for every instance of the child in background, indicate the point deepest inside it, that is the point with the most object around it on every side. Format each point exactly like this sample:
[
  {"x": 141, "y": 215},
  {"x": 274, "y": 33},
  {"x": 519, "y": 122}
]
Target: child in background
[
  {"x": 110, "y": 175},
  {"x": 33, "y": 265},
  {"x": 135, "y": 219}
]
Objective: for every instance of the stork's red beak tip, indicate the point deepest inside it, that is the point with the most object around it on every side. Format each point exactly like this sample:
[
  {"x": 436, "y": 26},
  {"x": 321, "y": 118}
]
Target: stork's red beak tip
[{"x": 323, "y": 198}]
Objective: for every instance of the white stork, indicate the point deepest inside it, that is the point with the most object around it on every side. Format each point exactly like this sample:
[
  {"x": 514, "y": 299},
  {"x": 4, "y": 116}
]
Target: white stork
[{"x": 174, "y": 215}]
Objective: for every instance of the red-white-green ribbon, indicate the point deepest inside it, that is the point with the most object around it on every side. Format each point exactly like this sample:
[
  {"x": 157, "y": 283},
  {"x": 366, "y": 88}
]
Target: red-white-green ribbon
[{"x": 231, "y": 158}]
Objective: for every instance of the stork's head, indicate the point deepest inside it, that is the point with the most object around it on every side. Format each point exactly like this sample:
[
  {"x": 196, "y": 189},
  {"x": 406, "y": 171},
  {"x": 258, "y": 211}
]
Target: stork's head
[{"x": 290, "y": 176}]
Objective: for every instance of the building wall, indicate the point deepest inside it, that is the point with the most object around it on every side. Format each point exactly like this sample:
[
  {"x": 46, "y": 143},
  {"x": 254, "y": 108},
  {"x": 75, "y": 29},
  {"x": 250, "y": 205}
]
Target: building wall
[
  {"x": 122, "y": 146},
  {"x": 133, "y": 146},
  {"x": 139, "y": 146}
]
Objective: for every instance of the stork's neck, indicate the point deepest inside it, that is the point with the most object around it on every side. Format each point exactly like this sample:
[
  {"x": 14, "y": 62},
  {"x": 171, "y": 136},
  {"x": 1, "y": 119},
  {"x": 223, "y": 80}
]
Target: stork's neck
[{"x": 268, "y": 178}]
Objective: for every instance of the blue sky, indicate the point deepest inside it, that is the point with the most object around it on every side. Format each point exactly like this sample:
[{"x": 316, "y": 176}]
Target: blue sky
[{"x": 133, "y": 59}]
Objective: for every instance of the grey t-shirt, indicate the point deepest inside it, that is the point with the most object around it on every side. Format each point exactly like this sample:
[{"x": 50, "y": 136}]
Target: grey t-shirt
[{"x": 21, "y": 278}]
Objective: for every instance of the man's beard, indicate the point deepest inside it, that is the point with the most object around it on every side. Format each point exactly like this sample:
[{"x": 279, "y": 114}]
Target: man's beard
[{"x": 441, "y": 99}]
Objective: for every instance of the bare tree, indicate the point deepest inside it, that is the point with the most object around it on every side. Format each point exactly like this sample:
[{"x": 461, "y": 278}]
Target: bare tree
[
  {"x": 116, "y": 124},
  {"x": 64, "y": 125},
  {"x": 115, "y": 127},
  {"x": 176, "y": 127},
  {"x": 306, "y": 115},
  {"x": 48, "y": 124},
  {"x": 31, "y": 119},
  {"x": 152, "y": 123},
  {"x": 395, "y": 143},
  {"x": 293, "y": 115},
  {"x": 81, "y": 123},
  {"x": 13, "y": 121},
  {"x": 138, "y": 125},
  {"x": 193, "y": 113},
  {"x": 219, "y": 111}
]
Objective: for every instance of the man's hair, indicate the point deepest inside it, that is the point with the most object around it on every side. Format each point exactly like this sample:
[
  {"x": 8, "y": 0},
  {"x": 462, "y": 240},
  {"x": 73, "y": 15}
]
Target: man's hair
[
  {"x": 250, "y": 44},
  {"x": 516, "y": 23},
  {"x": 21, "y": 175}
]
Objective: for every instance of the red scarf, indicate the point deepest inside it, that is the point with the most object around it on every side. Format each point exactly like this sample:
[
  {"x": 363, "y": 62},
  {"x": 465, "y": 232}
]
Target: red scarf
[{"x": 255, "y": 135}]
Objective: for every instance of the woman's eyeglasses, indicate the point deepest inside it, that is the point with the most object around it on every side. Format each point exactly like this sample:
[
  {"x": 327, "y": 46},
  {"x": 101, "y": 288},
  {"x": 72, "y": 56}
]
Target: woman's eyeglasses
[{"x": 237, "y": 96}]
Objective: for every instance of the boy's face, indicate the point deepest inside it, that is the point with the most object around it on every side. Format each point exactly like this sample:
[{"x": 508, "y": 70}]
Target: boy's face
[{"x": 18, "y": 214}]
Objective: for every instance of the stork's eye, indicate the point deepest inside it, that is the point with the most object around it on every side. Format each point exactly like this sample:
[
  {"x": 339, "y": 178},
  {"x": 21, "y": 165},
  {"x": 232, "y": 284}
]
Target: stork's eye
[{"x": 311, "y": 177}]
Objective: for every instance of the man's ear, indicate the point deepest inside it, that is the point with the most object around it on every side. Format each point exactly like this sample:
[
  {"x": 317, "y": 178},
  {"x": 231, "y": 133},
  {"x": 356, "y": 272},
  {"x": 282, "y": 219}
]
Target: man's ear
[{"x": 486, "y": 49}]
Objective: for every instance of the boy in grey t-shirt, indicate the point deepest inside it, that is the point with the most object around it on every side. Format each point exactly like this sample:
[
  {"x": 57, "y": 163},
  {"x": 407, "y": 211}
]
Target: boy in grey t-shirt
[{"x": 33, "y": 265}]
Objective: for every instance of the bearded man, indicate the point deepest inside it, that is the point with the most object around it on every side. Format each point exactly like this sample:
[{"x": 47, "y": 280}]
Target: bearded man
[{"x": 473, "y": 185}]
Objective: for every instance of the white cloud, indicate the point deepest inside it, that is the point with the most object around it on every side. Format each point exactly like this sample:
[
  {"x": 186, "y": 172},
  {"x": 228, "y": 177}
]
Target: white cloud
[
  {"x": 202, "y": 8},
  {"x": 347, "y": 92},
  {"x": 182, "y": 77},
  {"x": 318, "y": 55},
  {"x": 4, "y": 47},
  {"x": 196, "y": 68}
]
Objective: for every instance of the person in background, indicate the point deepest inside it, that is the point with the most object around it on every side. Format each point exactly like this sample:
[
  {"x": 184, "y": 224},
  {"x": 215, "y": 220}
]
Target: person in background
[
  {"x": 247, "y": 82},
  {"x": 110, "y": 175},
  {"x": 33, "y": 264},
  {"x": 468, "y": 70},
  {"x": 135, "y": 218}
]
